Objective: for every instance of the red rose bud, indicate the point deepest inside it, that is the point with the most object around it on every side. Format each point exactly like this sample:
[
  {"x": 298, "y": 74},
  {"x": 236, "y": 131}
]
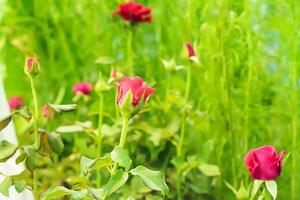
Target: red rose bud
[
  {"x": 114, "y": 74},
  {"x": 134, "y": 12},
  {"x": 190, "y": 49},
  {"x": 32, "y": 65},
  {"x": 82, "y": 88},
  {"x": 15, "y": 102},
  {"x": 139, "y": 90},
  {"x": 264, "y": 163},
  {"x": 47, "y": 111}
]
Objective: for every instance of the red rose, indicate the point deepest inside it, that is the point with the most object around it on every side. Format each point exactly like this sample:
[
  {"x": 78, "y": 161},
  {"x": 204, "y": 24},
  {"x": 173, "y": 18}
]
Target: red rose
[
  {"x": 190, "y": 49},
  {"x": 137, "y": 86},
  {"x": 264, "y": 163},
  {"x": 83, "y": 88},
  {"x": 134, "y": 12},
  {"x": 15, "y": 102}
]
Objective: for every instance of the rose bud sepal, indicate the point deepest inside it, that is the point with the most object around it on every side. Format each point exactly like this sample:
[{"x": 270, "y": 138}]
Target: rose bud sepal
[
  {"x": 269, "y": 188},
  {"x": 126, "y": 108}
]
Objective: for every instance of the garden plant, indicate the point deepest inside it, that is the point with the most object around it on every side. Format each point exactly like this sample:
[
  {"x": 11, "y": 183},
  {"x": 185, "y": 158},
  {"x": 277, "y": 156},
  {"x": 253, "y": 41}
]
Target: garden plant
[{"x": 160, "y": 99}]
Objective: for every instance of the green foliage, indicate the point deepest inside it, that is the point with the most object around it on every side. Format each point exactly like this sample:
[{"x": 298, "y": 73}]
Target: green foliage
[
  {"x": 244, "y": 93},
  {"x": 7, "y": 150},
  {"x": 5, "y": 185},
  {"x": 153, "y": 179},
  {"x": 120, "y": 156}
]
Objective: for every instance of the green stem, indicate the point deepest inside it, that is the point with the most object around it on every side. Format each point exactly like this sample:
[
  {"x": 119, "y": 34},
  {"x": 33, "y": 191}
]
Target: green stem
[
  {"x": 183, "y": 116},
  {"x": 178, "y": 185},
  {"x": 36, "y": 136},
  {"x": 182, "y": 129},
  {"x": 99, "y": 136},
  {"x": 129, "y": 51},
  {"x": 122, "y": 138},
  {"x": 124, "y": 132},
  {"x": 168, "y": 86}
]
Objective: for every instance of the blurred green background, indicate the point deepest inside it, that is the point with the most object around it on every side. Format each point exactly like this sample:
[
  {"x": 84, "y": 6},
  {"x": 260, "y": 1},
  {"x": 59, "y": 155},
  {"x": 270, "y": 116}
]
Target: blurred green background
[{"x": 244, "y": 91}]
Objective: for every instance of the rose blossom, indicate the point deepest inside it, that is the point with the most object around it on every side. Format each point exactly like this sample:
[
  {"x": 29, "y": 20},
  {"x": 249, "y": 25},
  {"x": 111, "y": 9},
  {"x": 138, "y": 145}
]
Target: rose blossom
[
  {"x": 15, "y": 102},
  {"x": 264, "y": 163},
  {"x": 134, "y": 12},
  {"x": 83, "y": 88},
  {"x": 190, "y": 49},
  {"x": 137, "y": 86}
]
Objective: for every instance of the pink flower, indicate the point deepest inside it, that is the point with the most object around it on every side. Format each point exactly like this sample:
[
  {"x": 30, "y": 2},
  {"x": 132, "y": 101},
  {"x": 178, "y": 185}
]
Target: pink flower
[
  {"x": 137, "y": 86},
  {"x": 190, "y": 49},
  {"x": 15, "y": 102},
  {"x": 32, "y": 65},
  {"x": 83, "y": 88},
  {"x": 47, "y": 112},
  {"x": 134, "y": 12},
  {"x": 264, "y": 163}
]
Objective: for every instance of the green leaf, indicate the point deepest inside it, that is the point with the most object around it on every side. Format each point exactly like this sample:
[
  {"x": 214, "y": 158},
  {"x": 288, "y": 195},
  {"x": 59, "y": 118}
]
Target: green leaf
[
  {"x": 87, "y": 164},
  {"x": 209, "y": 170},
  {"x": 97, "y": 193},
  {"x": 7, "y": 150},
  {"x": 55, "y": 193},
  {"x": 25, "y": 113},
  {"x": 21, "y": 158},
  {"x": 120, "y": 156},
  {"x": 20, "y": 185},
  {"x": 130, "y": 198},
  {"x": 63, "y": 108},
  {"x": 78, "y": 194},
  {"x": 116, "y": 181},
  {"x": 256, "y": 186},
  {"x": 231, "y": 187},
  {"x": 70, "y": 129},
  {"x": 5, "y": 121},
  {"x": 105, "y": 60},
  {"x": 138, "y": 185},
  {"x": 153, "y": 179},
  {"x": 272, "y": 188},
  {"x": 5, "y": 185},
  {"x": 31, "y": 161},
  {"x": 55, "y": 142}
]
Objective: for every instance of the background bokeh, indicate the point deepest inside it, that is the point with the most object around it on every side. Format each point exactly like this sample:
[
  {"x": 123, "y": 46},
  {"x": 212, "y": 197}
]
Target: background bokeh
[{"x": 244, "y": 91}]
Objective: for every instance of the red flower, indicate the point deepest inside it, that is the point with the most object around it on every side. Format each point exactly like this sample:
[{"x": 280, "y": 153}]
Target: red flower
[
  {"x": 15, "y": 102},
  {"x": 134, "y": 12},
  {"x": 190, "y": 49},
  {"x": 83, "y": 88},
  {"x": 137, "y": 86},
  {"x": 264, "y": 163}
]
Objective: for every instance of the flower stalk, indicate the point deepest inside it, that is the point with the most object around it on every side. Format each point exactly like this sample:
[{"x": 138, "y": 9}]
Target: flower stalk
[
  {"x": 36, "y": 136},
  {"x": 122, "y": 137},
  {"x": 99, "y": 135}
]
